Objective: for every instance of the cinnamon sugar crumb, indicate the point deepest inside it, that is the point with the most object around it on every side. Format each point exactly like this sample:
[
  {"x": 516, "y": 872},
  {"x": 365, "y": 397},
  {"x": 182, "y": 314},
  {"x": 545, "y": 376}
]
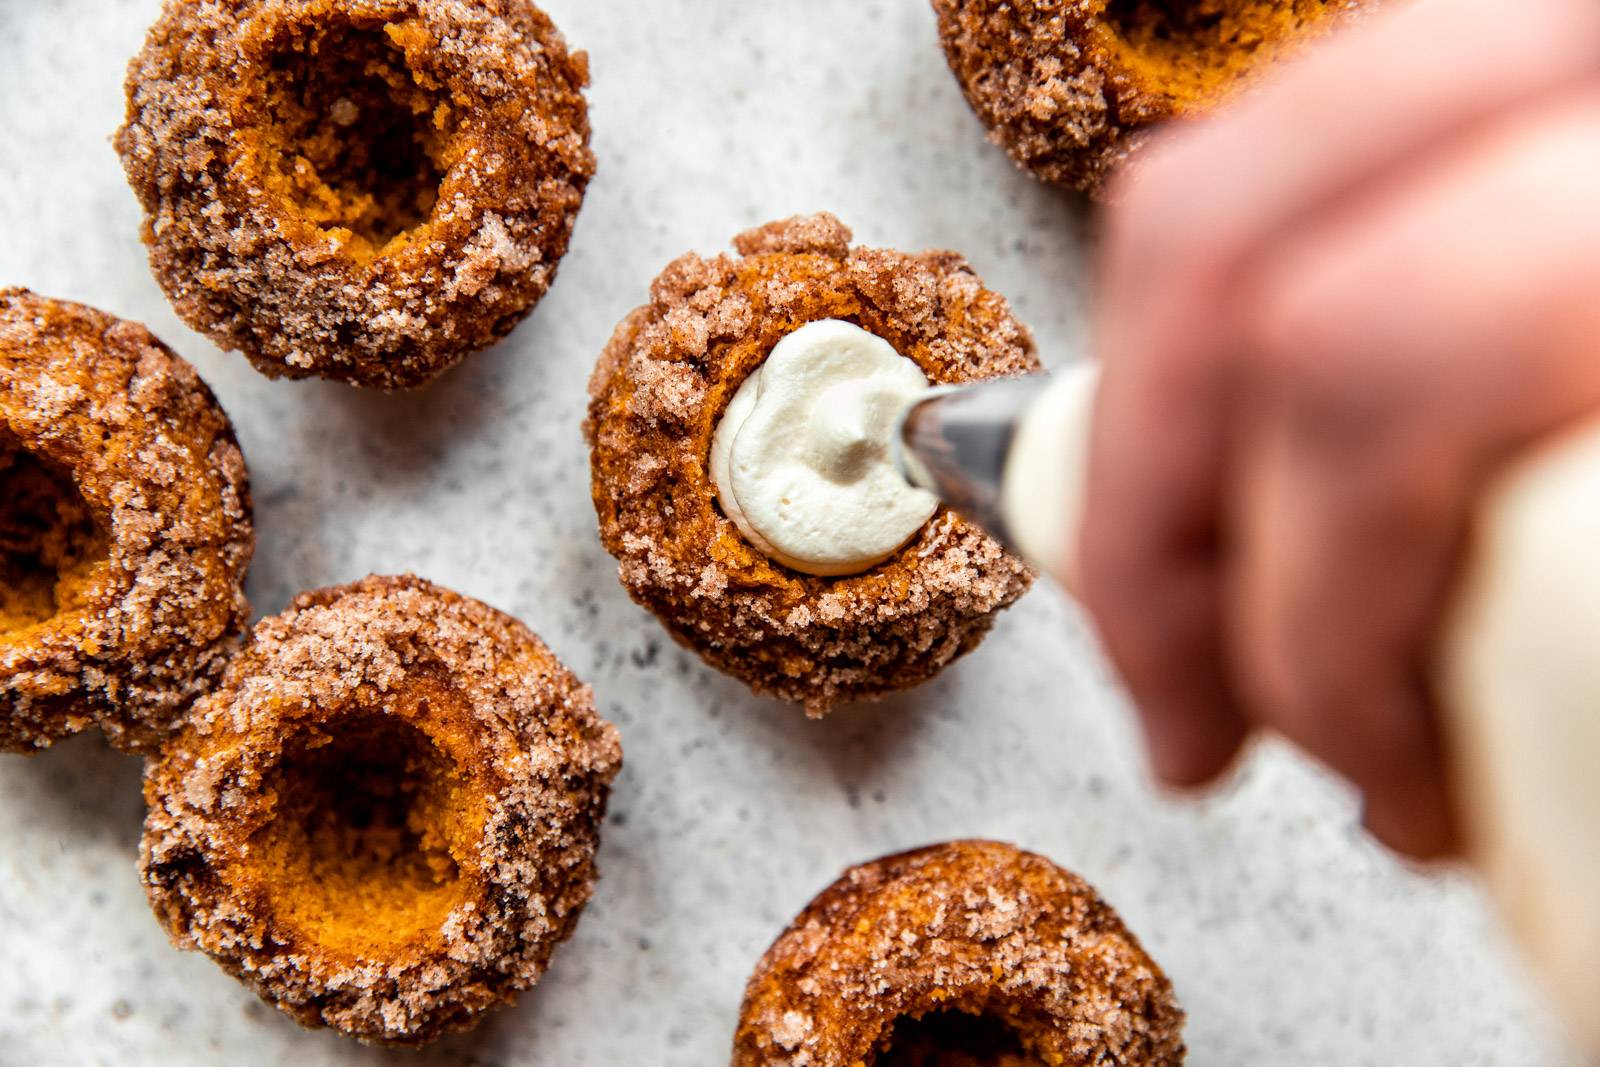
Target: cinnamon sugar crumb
[
  {"x": 385, "y": 819},
  {"x": 367, "y": 192},
  {"x": 964, "y": 954},
  {"x": 125, "y": 528}
]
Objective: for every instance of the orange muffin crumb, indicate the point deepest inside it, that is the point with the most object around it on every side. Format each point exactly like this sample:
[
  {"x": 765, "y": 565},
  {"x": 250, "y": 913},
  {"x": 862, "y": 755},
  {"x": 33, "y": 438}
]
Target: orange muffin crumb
[
  {"x": 365, "y": 190},
  {"x": 384, "y": 820},
  {"x": 125, "y": 528},
  {"x": 966, "y": 954}
]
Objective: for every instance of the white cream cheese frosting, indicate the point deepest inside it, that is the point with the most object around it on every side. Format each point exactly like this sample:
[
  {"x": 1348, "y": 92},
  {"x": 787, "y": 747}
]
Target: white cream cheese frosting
[{"x": 801, "y": 459}]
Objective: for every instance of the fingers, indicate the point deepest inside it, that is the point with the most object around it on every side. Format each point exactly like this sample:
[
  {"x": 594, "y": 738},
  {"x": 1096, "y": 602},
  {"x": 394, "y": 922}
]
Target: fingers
[
  {"x": 1149, "y": 571},
  {"x": 1406, "y": 346},
  {"x": 1167, "y": 641},
  {"x": 1345, "y": 539}
]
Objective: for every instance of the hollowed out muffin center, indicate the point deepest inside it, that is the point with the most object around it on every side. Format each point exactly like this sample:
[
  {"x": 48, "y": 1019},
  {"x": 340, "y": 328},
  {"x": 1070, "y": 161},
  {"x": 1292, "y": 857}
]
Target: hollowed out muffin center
[
  {"x": 954, "y": 1039},
  {"x": 355, "y": 137},
  {"x": 359, "y": 848},
  {"x": 50, "y": 540},
  {"x": 1195, "y": 50}
]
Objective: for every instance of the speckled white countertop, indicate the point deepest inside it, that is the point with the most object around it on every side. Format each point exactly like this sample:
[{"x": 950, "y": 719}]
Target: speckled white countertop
[{"x": 1292, "y": 940}]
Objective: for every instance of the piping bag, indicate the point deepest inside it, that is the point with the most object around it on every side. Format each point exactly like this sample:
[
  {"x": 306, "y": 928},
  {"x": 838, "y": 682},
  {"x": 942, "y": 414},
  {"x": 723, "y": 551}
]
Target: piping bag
[{"x": 1518, "y": 676}]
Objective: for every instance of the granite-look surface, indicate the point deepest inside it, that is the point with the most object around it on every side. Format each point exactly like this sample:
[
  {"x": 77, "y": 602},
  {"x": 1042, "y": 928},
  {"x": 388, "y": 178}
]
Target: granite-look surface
[{"x": 1292, "y": 940}]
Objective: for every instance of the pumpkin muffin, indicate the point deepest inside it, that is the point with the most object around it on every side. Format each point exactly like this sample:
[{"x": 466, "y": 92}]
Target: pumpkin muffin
[
  {"x": 656, "y": 397},
  {"x": 125, "y": 529},
  {"x": 967, "y": 954},
  {"x": 365, "y": 190},
  {"x": 385, "y": 819}
]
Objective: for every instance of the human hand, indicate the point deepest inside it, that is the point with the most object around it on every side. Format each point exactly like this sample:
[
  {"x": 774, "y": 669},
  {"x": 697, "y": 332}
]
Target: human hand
[{"x": 1328, "y": 315}]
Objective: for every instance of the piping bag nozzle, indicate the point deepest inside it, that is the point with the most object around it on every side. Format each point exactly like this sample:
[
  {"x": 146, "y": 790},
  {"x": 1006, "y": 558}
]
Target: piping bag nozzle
[{"x": 1010, "y": 455}]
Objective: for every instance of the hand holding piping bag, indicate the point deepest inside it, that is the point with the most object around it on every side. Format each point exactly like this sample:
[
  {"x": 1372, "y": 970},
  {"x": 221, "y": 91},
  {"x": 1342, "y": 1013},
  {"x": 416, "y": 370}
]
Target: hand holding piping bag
[
  {"x": 1344, "y": 469},
  {"x": 1329, "y": 317}
]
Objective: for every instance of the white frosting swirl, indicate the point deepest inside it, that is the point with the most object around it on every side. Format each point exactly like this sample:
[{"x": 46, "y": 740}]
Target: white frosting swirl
[{"x": 801, "y": 458}]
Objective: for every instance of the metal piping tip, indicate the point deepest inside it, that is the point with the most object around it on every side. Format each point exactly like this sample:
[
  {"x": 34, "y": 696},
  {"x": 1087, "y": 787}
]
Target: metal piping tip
[{"x": 954, "y": 442}]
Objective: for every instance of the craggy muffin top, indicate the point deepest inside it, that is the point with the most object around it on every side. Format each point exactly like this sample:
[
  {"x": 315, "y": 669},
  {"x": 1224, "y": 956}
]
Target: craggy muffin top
[
  {"x": 363, "y": 189},
  {"x": 125, "y": 528},
  {"x": 385, "y": 818},
  {"x": 660, "y": 389},
  {"x": 972, "y": 946}
]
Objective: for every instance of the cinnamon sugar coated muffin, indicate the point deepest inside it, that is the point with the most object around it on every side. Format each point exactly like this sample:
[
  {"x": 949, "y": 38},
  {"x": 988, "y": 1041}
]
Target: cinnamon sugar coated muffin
[
  {"x": 125, "y": 528},
  {"x": 1067, "y": 87},
  {"x": 657, "y": 394},
  {"x": 385, "y": 819},
  {"x": 967, "y": 954},
  {"x": 365, "y": 190}
]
